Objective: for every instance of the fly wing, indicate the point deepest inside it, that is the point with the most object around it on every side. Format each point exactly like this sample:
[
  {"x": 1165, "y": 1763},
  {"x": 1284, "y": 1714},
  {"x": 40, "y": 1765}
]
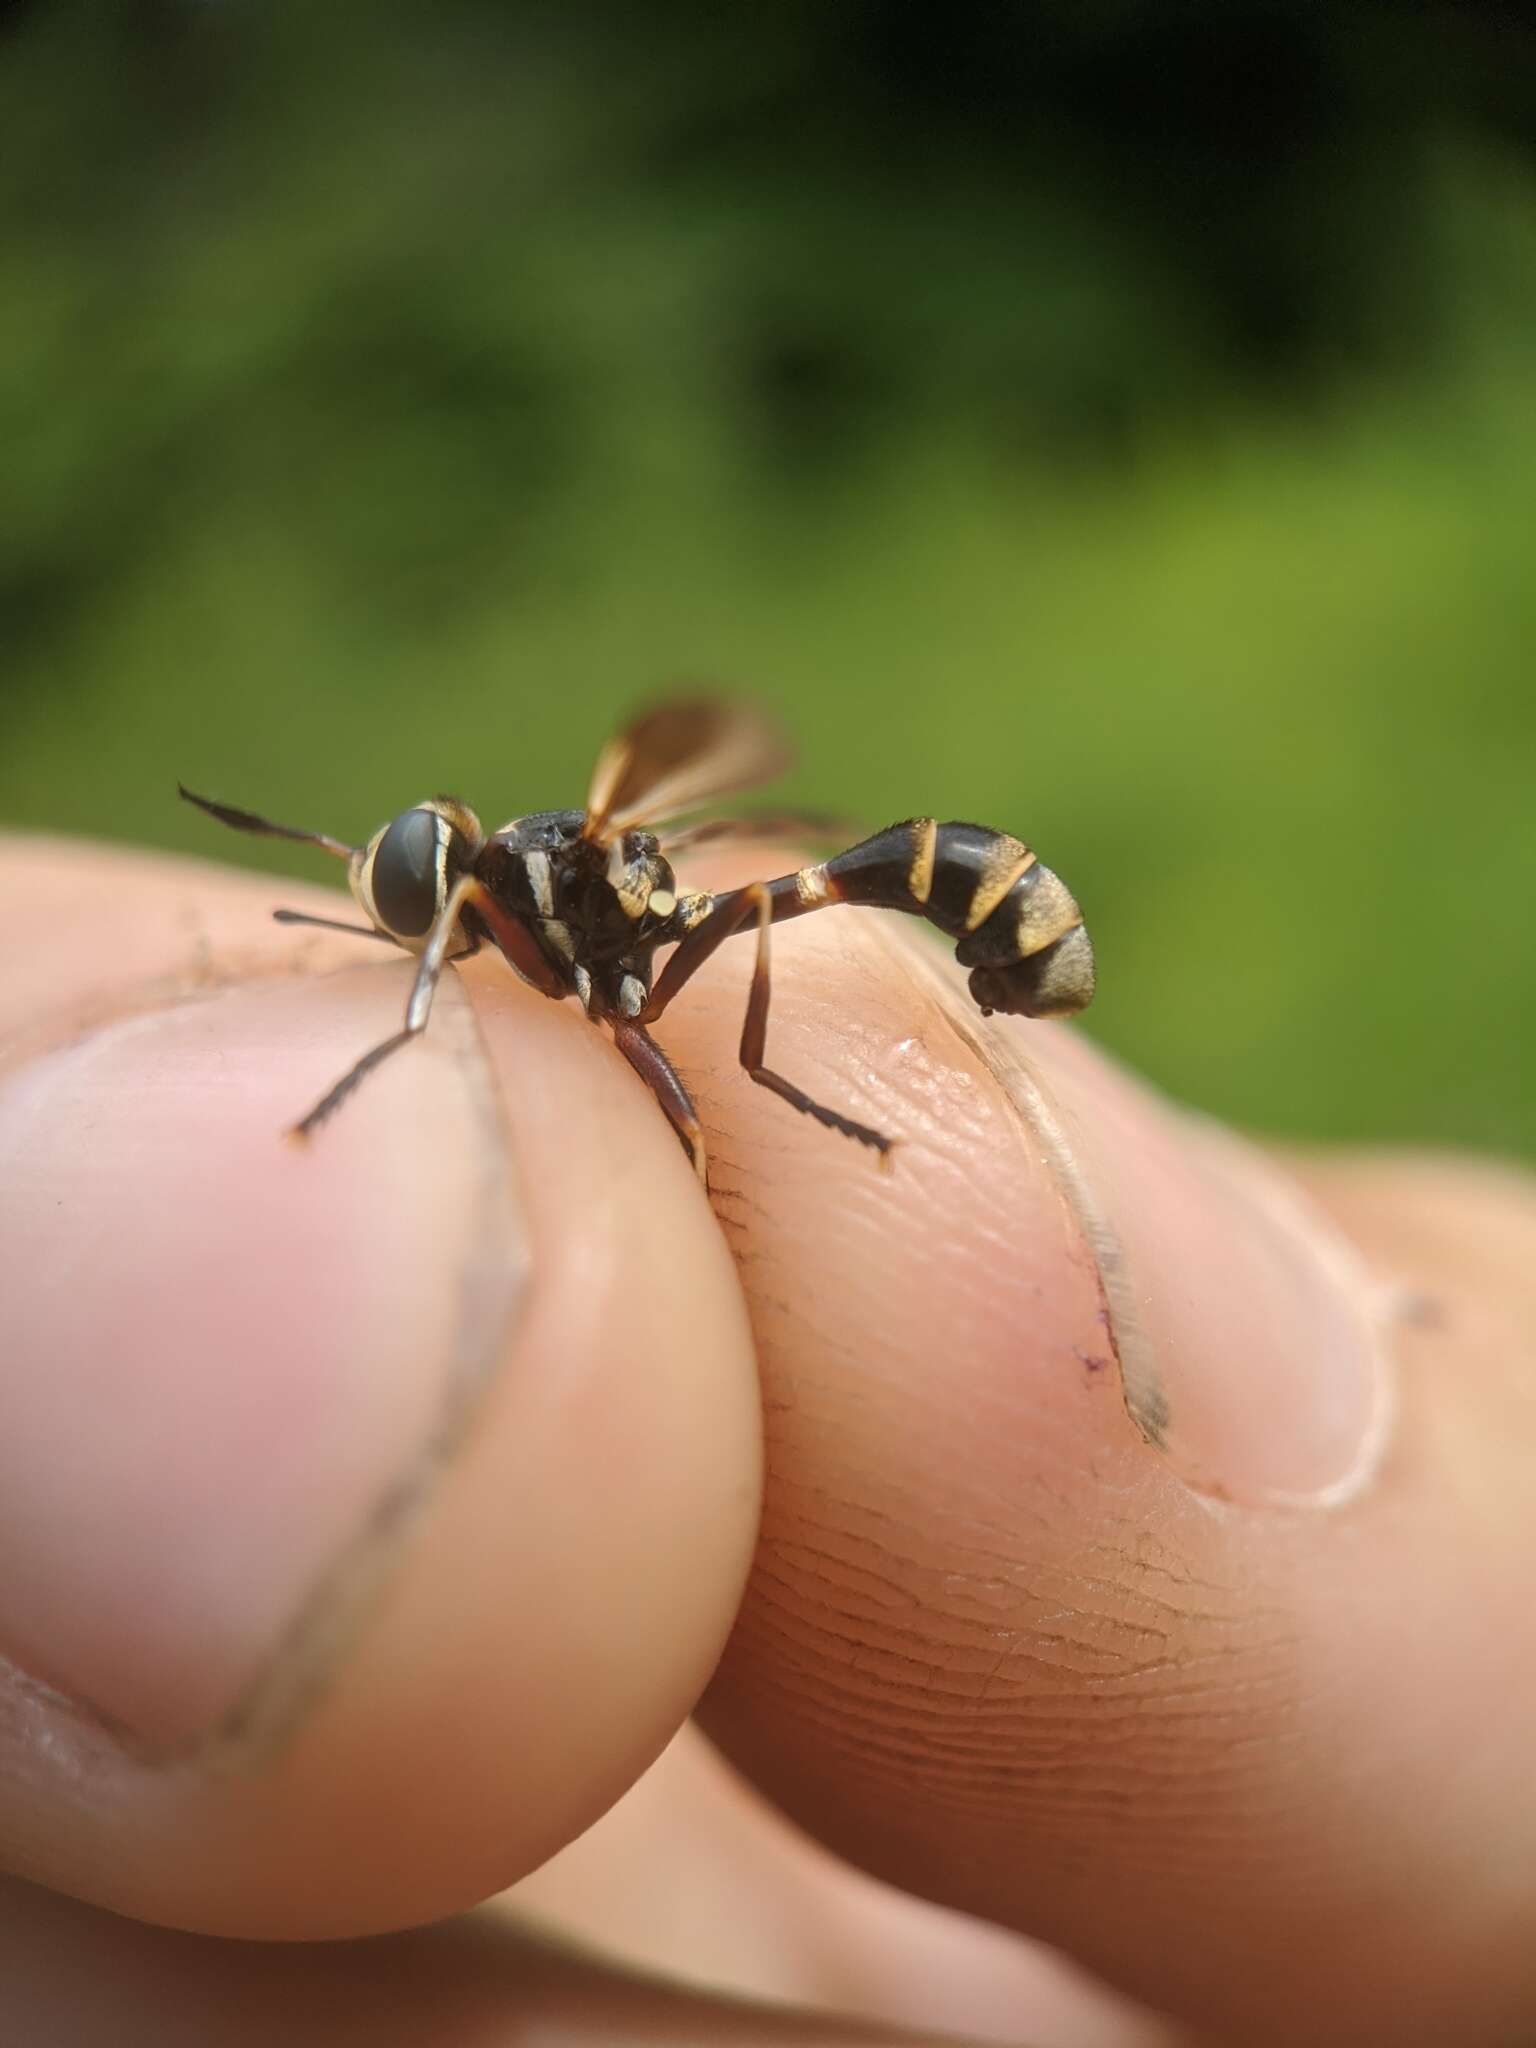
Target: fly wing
[
  {"x": 829, "y": 825},
  {"x": 677, "y": 757}
]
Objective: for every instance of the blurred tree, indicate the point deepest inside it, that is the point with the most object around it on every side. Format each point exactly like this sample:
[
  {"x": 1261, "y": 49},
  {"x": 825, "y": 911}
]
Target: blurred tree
[{"x": 1112, "y": 417}]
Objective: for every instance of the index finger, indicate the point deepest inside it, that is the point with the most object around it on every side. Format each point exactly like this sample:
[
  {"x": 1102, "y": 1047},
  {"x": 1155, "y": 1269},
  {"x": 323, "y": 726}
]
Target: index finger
[{"x": 1144, "y": 1563}]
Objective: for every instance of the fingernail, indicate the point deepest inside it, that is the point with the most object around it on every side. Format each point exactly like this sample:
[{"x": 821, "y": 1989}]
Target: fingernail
[
  {"x": 230, "y": 1368},
  {"x": 1251, "y": 1341}
]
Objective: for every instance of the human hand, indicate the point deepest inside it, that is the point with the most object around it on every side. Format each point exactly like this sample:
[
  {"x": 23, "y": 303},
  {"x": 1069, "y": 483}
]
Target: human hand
[{"x": 1143, "y": 1562}]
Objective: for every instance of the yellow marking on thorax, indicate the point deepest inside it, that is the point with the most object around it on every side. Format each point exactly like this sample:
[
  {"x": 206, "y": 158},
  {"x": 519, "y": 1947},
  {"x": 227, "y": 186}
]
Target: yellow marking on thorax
[
  {"x": 662, "y": 903},
  {"x": 541, "y": 881},
  {"x": 633, "y": 886},
  {"x": 1006, "y": 860},
  {"x": 925, "y": 842},
  {"x": 812, "y": 886}
]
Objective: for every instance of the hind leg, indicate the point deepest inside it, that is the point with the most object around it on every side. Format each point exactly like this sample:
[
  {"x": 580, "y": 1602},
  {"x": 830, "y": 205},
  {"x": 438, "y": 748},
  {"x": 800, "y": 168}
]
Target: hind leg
[{"x": 726, "y": 919}]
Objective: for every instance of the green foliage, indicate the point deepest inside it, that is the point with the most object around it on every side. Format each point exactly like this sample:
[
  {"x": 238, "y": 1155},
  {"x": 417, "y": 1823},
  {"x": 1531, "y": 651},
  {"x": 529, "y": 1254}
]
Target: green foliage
[{"x": 388, "y": 405}]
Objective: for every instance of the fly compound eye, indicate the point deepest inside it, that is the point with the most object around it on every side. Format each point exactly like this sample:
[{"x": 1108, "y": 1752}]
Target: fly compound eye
[
  {"x": 404, "y": 875},
  {"x": 407, "y": 875}
]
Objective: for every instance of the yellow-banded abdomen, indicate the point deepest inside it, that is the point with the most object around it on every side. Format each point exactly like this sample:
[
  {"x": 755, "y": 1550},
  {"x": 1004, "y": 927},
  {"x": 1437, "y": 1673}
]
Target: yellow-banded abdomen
[{"x": 1018, "y": 925}]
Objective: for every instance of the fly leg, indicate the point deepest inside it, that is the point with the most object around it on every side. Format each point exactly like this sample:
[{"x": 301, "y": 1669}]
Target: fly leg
[
  {"x": 428, "y": 973},
  {"x": 727, "y": 918},
  {"x": 661, "y": 1077}
]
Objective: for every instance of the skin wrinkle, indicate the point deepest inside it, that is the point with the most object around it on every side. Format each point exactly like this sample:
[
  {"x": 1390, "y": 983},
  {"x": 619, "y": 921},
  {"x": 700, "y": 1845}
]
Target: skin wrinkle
[
  {"x": 831, "y": 1604},
  {"x": 1080, "y": 1653},
  {"x": 988, "y": 1541},
  {"x": 831, "y": 1545},
  {"x": 1117, "y": 1788},
  {"x": 919, "y": 1635},
  {"x": 822, "y": 1553},
  {"x": 1116, "y": 1791},
  {"x": 1134, "y": 1685},
  {"x": 973, "y": 1733}
]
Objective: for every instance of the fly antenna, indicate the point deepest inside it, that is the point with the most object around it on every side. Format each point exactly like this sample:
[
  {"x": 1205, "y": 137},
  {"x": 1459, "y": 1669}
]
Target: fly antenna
[{"x": 247, "y": 821}]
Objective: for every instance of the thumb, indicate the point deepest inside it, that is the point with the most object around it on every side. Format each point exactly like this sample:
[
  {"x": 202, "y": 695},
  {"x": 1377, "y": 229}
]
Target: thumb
[{"x": 371, "y": 1513}]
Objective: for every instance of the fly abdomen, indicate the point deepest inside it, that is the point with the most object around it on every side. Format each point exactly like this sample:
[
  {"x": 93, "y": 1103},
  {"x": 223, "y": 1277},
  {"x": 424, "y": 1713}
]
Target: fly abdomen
[{"x": 1018, "y": 926}]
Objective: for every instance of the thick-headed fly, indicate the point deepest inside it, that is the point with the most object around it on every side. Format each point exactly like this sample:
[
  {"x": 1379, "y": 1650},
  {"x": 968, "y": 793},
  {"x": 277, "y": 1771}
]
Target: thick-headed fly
[{"x": 580, "y": 902}]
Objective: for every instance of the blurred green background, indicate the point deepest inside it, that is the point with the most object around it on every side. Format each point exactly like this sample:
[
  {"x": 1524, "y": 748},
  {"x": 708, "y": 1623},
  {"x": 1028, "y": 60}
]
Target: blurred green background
[{"x": 1116, "y": 422}]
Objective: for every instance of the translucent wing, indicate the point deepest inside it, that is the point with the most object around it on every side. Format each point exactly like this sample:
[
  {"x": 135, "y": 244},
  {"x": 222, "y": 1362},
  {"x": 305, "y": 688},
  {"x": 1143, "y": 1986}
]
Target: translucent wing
[
  {"x": 677, "y": 757},
  {"x": 763, "y": 825}
]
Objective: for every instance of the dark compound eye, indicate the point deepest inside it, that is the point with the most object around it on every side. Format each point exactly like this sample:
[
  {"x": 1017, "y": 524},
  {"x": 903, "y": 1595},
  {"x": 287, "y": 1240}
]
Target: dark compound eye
[{"x": 406, "y": 872}]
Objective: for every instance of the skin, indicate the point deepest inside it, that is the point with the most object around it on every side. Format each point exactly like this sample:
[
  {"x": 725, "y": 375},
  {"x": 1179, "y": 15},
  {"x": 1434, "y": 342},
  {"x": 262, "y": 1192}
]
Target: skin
[{"x": 377, "y": 1514}]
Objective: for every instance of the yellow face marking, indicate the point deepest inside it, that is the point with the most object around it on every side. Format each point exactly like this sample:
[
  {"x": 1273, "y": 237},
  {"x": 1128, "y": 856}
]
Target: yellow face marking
[
  {"x": 925, "y": 840},
  {"x": 812, "y": 885},
  {"x": 360, "y": 875},
  {"x": 459, "y": 816},
  {"x": 663, "y": 903},
  {"x": 1006, "y": 860}
]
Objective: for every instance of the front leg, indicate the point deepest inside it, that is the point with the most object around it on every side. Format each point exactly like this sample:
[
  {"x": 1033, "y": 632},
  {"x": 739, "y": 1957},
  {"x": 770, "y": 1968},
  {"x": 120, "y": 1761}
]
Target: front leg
[{"x": 429, "y": 968}]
